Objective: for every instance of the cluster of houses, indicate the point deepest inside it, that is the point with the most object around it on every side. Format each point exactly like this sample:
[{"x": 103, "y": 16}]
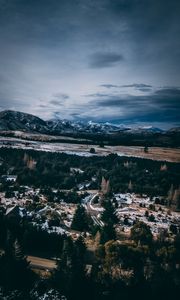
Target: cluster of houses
[
  {"x": 53, "y": 217},
  {"x": 57, "y": 216},
  {"x": 133, "y": 207}
]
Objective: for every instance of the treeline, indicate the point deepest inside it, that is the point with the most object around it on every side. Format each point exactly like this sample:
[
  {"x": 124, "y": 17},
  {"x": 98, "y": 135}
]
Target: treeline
[
  {"x": 168, "y": 139},
  {"x": 43, "y": 169}
]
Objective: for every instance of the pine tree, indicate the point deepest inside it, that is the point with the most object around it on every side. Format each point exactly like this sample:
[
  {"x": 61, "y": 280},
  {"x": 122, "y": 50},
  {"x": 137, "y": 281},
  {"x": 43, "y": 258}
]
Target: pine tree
[
  {"x": 107, "y": 233},
  {"x": 80, "y": 220},
  {"x": 70, "y": 274},
  {"x": 109, "y": 214},
  {"x": 16, "y": 271},
  {"x": 80, "y": 247},
  {"x": 141, "y": 233},
  {"x": 9, "y": 244}
]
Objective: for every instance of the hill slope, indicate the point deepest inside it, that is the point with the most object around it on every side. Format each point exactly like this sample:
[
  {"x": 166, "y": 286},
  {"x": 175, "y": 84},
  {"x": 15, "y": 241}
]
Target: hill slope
[{"x": 14, "y": 120}]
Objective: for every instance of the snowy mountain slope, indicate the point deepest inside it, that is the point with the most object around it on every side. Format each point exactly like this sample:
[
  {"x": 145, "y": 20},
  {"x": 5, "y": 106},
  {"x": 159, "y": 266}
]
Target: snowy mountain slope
[{"x": 14, "y": 120}]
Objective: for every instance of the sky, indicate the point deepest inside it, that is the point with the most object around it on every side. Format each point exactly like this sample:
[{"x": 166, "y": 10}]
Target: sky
[{"x": 102, "y": 60}]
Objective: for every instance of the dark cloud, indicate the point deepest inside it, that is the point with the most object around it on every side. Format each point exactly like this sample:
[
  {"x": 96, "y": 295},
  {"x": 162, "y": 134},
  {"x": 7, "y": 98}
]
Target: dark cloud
[
  {"x": 98, "y": 95},
  {"x": 169, "y": 92},
  {"x": 42, "y": 106},
  {"x": 61, "y": 96},
  {"x": 137, "y": 85},
  {"x": 162, "y": 98},
  {"x": 104, "y": 59},
  {"x": 144, "y": 89},
  {"x": 109, "y": 86},
  {"x": 56, "y": 102},
  {"x": 161, "y": 106},
  {"x": 59, "y": 99}
]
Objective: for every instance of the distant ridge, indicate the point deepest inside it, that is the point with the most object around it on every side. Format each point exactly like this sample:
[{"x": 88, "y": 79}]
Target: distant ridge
[
  {"x": 19, "y": 121},
  {"x": 16, "y": 120}
]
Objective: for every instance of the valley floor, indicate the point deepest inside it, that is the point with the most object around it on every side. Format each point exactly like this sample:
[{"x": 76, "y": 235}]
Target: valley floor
[{"x": 155, "y": 153}]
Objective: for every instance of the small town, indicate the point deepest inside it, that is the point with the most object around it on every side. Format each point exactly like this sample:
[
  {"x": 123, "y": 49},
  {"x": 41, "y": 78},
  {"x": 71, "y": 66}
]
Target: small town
[{"x": 128, "y": 207}]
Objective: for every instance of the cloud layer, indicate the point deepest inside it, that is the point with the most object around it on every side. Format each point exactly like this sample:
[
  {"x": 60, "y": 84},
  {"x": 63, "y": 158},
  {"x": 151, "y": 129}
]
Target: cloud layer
[
  {"x": 104, "y": 60},
  {"x": 124, "y": 54}
]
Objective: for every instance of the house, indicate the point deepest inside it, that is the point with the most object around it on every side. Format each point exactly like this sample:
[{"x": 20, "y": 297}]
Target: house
[{"x": 9, "y": 178}]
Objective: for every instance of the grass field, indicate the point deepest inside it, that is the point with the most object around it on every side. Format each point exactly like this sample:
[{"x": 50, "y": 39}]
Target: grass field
[{"x": 155, "y": 153}]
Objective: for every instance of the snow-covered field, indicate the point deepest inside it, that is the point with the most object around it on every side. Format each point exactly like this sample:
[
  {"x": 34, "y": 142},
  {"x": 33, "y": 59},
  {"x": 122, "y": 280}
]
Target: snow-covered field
[{"x": 155, "y": 153}]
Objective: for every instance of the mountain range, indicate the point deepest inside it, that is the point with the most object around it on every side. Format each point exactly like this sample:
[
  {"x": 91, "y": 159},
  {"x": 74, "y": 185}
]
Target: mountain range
[
  {"x": 15, "y": 120},
  {"x": 19, "y": 121}
]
